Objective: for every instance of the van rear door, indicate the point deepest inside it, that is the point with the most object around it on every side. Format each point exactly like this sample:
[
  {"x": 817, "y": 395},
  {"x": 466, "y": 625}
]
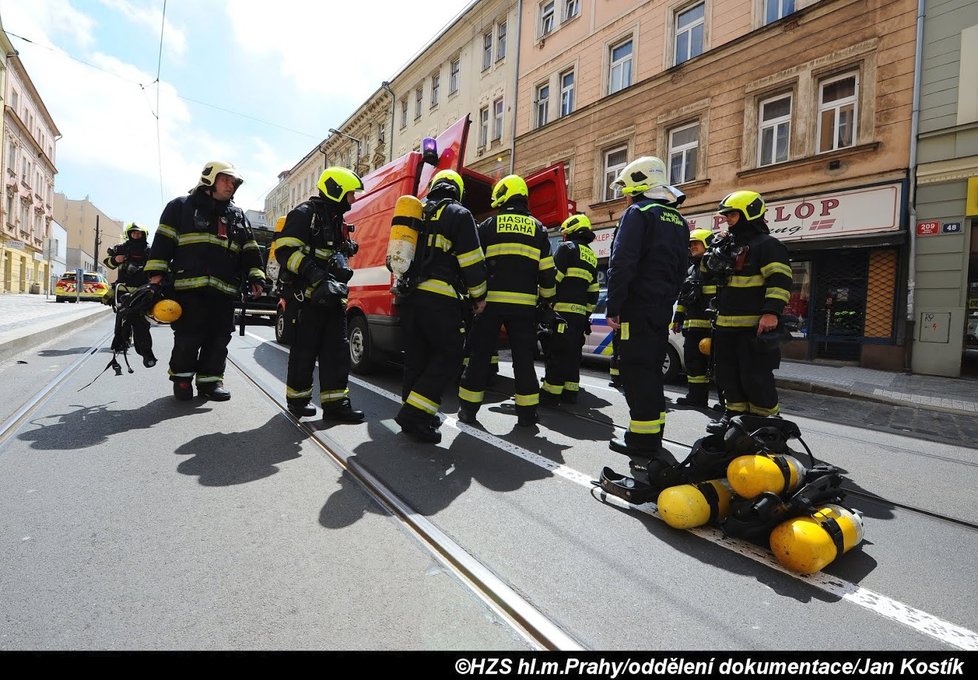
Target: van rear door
[{"x": 548, "y": 196}]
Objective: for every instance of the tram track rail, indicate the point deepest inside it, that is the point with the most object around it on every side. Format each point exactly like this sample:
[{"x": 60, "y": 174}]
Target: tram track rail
[
  {"x": 10, "y": 425},
  {"x": 529, "y": 622}
]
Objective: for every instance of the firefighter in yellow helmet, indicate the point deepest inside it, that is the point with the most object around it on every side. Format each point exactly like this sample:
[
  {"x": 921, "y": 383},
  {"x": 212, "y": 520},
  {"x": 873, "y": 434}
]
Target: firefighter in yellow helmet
[
  {"x": 753, "y": 286},
  {"x": 204, "y": 243},
  {"x": 451, "y": 272},
  {"x": 312, "y": 251},
  {"x": 646, "y": 269},
  {"x": 521, "y": 273},
  {"x": 129, "y": 260},
  {"x": 576, "y": 268},
  {"x": 694, "y": 319}
]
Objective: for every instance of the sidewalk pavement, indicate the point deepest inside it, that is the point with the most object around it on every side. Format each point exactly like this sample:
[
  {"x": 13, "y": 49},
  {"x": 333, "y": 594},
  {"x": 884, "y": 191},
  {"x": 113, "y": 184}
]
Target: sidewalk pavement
[{"x": 28, "y": 320}]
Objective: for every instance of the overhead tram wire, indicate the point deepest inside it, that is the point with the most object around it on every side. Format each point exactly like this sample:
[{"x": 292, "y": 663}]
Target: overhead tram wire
[{"x": 159, "y": 64}]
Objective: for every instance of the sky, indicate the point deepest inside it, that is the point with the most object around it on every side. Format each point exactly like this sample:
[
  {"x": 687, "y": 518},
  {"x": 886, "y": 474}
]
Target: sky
[{"x": 254, "y": 83}]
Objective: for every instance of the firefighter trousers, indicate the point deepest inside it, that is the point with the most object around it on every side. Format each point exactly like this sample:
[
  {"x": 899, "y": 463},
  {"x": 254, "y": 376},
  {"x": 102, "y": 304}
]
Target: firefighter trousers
[
  {"x": 520, "y": 323},
  {"x": 563, "y": 372},
  {"x": 642, "y": 351},
  {"x": 201, "y": 336},
  {"x": 320, "y": 335},
  {"x": 745, "y": 372},
  {"x": 697, "y": 365},
  {"x": 433, "y": 348}
]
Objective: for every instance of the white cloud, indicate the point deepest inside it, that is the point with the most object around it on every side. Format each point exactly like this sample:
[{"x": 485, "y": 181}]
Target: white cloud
[{"x": 151, "y": 18}]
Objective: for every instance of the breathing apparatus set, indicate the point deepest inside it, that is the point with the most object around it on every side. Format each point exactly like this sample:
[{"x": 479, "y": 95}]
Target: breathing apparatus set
[
  {"x": 326, "y": 279},
  {"x": 411, "y": 246},
  {"x": 151, "y": 300},
  {"x": 748, "y": 481}
]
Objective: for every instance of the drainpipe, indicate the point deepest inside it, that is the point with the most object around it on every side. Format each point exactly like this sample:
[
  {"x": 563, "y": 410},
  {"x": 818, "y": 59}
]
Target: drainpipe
[
  {"x": 912, "y": 192},
  {"x": 516, "y": 84},
  {"x": 387, "y": 86}
]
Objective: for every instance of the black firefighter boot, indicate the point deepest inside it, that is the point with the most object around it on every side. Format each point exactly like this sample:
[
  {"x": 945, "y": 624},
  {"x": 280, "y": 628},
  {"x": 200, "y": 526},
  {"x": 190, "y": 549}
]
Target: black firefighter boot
[
  {"x": 301, "y": 409},
  {"x": 214, "y": 391},
  {"x": 419, "y": 425},
  {"x": 341, "y": 411},
  {"x": 698, "y": 395}
]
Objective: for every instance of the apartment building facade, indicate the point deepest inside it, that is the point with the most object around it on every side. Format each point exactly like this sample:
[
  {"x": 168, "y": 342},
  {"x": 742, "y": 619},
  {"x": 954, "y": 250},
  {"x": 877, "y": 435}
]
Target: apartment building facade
[
  {"x": 81, "y": 220},
  {"x": 809, "y": 103},
  {"x": 467, "y": 69},
  {"x": 29, "y": 139},
  {"x": 945, "y": 290}
]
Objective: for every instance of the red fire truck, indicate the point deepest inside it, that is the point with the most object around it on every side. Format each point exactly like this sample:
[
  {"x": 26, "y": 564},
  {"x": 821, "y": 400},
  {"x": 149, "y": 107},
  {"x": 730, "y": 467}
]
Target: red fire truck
[{"x": 372, "y": 317}]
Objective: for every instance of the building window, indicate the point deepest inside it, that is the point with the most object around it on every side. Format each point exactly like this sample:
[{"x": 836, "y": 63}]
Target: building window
[
  {"x": 571, "y": 9},
  {"x": 418, "y": 98},
  {"x": 11, "y": 156},
  {"x": 486, "y": 50},
  {"x": 837, "y": 112},
  {"x": 497, "y": 127},
  {"x": 501, "y": 41},
  {"x": 776, "y": 9},
  {"x": 683, "y": 143},
  {"x": 546, "y": 18},
  {"x": 380, "y": 133},
  {"x": 566, "y": 92},
  {"x": 689, "y": 32},
  {"x": 774, "y": 130},
  {"x": 483, "y": 126},
  {"x": 620, "y": 74},
  {"x": 615, "y": 161},
  {"x": 15, "y": 101},
  {"x": 435, "y": 81},
  {"x": 454, "y": 68},
  {"x": 404, "y": 109},
  {"x": 542, "y": 104}
]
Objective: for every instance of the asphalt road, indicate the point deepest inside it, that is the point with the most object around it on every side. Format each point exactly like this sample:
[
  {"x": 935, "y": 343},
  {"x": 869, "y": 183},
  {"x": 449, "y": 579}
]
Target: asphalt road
[{"x": 129, "y": 521}]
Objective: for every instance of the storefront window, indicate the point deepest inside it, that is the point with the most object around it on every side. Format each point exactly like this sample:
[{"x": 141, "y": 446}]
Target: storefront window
[{"x": 796, "y": 311}]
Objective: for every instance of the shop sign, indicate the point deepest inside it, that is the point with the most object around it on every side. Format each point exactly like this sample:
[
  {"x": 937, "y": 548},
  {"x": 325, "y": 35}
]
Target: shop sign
[
  {"x": 928, "y": 228},
  {"x": 601, "y": 245},
  {"x": 871, "y": 210}
]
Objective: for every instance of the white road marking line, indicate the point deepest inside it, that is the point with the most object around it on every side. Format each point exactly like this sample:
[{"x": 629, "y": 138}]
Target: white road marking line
[{"x": 919, "y": 620}]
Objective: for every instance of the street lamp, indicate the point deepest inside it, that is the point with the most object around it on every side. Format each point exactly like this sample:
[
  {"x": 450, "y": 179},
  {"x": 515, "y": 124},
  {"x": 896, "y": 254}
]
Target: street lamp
[{"x": 352, "y": 139}]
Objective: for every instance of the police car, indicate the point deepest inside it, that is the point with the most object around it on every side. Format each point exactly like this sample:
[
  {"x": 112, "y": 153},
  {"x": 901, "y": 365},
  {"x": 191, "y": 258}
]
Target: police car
[
  {"x": 94, "y": 287},
  {"x": 598, "y": 345}
]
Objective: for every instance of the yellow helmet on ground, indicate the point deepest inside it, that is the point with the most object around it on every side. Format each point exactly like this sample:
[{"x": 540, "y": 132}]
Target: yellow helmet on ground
[
  {"x": 747, "y": 203},
  {"x": 575, "y": 223},
  {"x": 704, "y": 236},
  {"x": 448, "y": 179},
  {"x": 508, "y": 187},
  {"x": 335, "y": 183},
  {"x": 166, "y": 311},
  {"x": 641, "y": 175},
  {"x": 214, "y": 168}
]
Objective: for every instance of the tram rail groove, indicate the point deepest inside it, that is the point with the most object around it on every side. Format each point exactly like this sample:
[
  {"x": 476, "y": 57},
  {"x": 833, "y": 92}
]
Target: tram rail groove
[
  {"x": 510, "y": 606},
  {"x": 21, "y": 414}
]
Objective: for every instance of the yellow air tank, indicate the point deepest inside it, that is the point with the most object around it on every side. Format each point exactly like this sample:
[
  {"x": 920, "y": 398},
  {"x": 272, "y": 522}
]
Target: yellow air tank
[
  {"x": 810, "y": 543},
  {"x": 406, "y": 224},
  {"x": 692, "y": 505},
  {"x": 752, "y": 475}
]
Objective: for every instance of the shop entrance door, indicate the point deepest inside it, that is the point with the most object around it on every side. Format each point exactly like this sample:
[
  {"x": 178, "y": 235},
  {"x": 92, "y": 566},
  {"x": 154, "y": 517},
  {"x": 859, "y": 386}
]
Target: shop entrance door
[
  {"x": 839, "y": 302},
  {"x": 969, "y": 358}
]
